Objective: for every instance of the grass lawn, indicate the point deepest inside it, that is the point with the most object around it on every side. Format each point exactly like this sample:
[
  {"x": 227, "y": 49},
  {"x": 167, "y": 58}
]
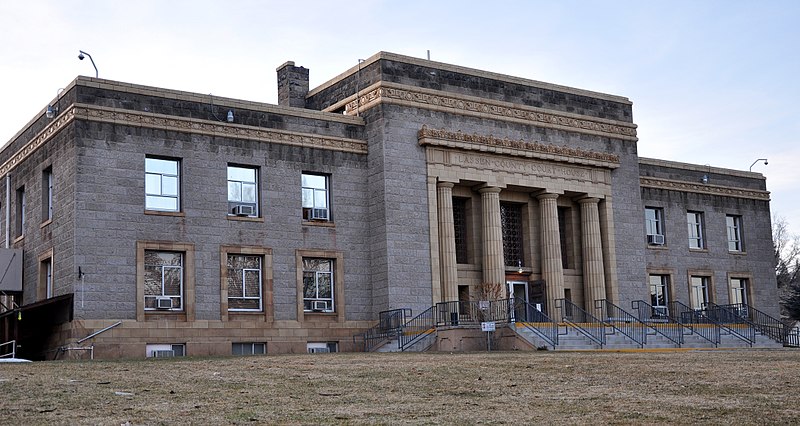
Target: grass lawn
[{"x": 685, "y": 387}]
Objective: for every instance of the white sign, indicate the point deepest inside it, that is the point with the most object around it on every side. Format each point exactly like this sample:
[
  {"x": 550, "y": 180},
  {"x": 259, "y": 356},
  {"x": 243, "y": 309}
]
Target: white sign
[{"x": 487, "y": 326}]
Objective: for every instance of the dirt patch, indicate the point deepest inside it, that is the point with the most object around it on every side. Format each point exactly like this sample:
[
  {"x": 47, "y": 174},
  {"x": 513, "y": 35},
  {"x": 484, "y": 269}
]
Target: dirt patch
[{"x": 688, "y": 387}]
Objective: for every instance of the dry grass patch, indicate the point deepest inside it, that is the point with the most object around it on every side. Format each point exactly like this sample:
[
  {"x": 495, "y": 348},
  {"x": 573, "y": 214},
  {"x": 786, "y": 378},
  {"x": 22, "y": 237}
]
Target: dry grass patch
[{"x": 688, "y": 387}]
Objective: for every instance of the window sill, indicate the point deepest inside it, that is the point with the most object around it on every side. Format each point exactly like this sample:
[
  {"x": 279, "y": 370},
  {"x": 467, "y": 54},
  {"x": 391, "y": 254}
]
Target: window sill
[
  {"x": 18, "y": 239},
  {"x": 656, "y": 247},
  {"x": 154, "y": 315},
  {"x": 737, "y": 253},
  {"x": 160, "y": 213},
  {"x": 322, "y": 223},
  {"x": 698, "y": 250},
  {"x": 320, "y": 314},
  {"x": 245, "y": 218},
  {"x": 45, "y": 223}
]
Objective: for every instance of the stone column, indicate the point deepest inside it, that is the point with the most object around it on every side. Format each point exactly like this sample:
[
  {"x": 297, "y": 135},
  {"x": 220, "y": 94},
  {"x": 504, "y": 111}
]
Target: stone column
[
  {"x": 447, "y": 242},
  {"x": 594, "y": 281},
  {"x": 494, "y": 270},
  {"x": 552, "y": 267}
]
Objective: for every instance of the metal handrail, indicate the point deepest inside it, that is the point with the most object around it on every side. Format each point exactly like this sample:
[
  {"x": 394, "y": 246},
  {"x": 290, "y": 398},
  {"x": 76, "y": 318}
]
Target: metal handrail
[
  {"x": 456, "y": 313},
  {"x": 695, "y": 321},
  {"x": 416, "y": 328},
  {"x": 389, "y": 324},
  {"x": 13, "y": 352},
  {"x": 575, "y": 316},
  {"x": 764, "y": 323},
  {"x": 732, "y": 322},
  {"x": 536, "y": 321},
  {"x": 622, "y": 321},
  {"x": 659, "y": 320}
]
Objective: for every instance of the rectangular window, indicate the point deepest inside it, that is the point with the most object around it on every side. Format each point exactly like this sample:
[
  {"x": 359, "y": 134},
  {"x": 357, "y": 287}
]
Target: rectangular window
[
  {"x": 694, "y": 222},
  {"x": 318, "y": 285},
  {"x": 564, "y": 235},
  {"x": 47, "y": 194},
  {"x": 322, "y": 347},
  {"x": 315, "y": 197},
  {"x": 460, "y": 224},
  {"x": 699, "y": 292},
  {"x": 739, "y": 289},
  {"x": 21, "y": 207},
  {"x": 734, "y": 225},
  {"x": 162, "y": 184},
  {"x": 168, "y": 350},
  {"x": 46, "y": 277},
  {"x": 659, "y": 294},
  {"x": 511, "y": 221},
  {"x": 242, "y": 191},
  {"x": 163, "y": 280},
  {"x": 244, "y": 283},
  {"x": 248, "y": 348},
  {"x": 653, "y": 218}
]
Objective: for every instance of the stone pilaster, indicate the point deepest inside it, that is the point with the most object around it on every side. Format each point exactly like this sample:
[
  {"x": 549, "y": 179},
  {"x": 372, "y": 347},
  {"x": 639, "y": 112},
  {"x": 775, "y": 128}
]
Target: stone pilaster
[
  {"x": 594, "y": 283},
  {"x": 494, "y": 271},
  {"x": 447, "y": 242},
  {"x": 552, "y": 267}
]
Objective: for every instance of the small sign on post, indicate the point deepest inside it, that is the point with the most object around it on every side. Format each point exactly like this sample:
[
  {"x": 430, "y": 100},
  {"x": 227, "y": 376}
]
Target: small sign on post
[{"x": 488, "y": 327}]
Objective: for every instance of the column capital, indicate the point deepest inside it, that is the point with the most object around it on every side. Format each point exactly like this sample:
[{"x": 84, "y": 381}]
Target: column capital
[
  {"x": 442, "y": 184},
  {"x": 546, "y": 195},
  {"x": 489, "y": 189},
  {"x": 588, "y": 200}
]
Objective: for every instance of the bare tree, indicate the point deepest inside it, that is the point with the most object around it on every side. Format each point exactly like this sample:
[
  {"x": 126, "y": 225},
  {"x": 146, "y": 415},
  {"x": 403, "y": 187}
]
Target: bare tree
[{"x": 787, "y": 267}]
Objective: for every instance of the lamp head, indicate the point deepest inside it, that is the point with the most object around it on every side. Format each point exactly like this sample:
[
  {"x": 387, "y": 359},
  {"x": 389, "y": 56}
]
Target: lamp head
[
  {"x": 230, "y": 116},
  {"x": 80, "y": 56},
  {"x": 766, "y": 162}
]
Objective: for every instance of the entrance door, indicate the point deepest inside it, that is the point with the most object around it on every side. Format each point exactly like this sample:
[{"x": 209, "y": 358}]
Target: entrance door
[{"x": 518, "y": 292}]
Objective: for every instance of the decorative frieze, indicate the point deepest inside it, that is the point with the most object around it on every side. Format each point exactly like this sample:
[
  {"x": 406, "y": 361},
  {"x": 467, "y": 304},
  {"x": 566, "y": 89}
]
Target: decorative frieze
[
  {"x": 384, "y": 92},
  {"x": 725, "y": 191},
  {"x": 483, "y": 143}
]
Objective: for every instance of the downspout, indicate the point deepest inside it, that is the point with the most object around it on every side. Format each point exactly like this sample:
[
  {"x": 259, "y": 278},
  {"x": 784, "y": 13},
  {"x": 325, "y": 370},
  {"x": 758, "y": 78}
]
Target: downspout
[{"x": 8, "y": 210}]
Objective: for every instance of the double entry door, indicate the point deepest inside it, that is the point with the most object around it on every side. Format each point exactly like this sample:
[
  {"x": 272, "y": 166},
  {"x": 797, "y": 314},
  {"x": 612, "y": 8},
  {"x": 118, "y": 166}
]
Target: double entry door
[{"x": 526, "y": 298}]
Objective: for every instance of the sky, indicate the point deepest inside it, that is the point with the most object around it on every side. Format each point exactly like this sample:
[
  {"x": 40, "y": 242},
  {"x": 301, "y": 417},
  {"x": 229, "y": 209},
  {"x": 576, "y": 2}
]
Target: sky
[{"x": 712, "y": 82}]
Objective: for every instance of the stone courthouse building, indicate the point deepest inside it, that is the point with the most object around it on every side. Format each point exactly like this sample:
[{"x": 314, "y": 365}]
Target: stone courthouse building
[{"x": 200, "y": 225}]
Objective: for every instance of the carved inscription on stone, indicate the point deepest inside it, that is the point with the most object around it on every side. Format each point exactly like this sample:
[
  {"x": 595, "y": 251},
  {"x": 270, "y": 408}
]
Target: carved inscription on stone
[{"x": 520, "y": 166}]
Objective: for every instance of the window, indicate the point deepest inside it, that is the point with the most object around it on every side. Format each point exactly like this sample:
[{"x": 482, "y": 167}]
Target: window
[
  {"x": 163, "y": 280},
  {"x": 315, "y": 197},
  {"x": 659, "y": 294},
  {"x": 46, "y": 277},
  {"x": 322, "y": 347},
  {"x": 699, "y": 292},
  {"x": 739, "y": 289},
  {"x": 244, "y": 283},
  {"x": 47, "y": 194},
  {"x": 248, "y": 348},
  {"x": 564, "y": 235},
  {"x": 242, "y": 191},
  {"x": 318, "y": 285},
  {"x": 168, "y": 350},
  {"x": 734, "y": 225},
  {"x": 511, "y": 221},
  {"x": 653, "y": 218},
  {"x": 21, "y": 211},
  {"x": 162, "y": 184},
  {"x": 460, "y": 225},
  {"x": 694, "y": 221}
]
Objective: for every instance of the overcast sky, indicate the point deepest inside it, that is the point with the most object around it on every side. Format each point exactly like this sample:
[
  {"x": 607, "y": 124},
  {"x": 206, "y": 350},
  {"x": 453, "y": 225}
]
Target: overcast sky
[{"x": 712, "y": 82}]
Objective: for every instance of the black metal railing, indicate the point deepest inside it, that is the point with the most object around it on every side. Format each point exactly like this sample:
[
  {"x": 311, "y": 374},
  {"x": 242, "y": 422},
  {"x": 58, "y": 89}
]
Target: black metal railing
[
  {"x": 472, "y": 312},
  {"x": 417, "y": 328},
  {"x": 622, "y": 321},
  {"x": 389, "y": 324},
  {"x": 768, "y": 325},
  {"x": 584, "y": 322},
  {"x": 792, "y": 335},
  {"x": 695, "y": 321},
  {"x": 535, "y": 320},
  {"x": 734, "y": 324},
  {"x": 657, "y": 318}
]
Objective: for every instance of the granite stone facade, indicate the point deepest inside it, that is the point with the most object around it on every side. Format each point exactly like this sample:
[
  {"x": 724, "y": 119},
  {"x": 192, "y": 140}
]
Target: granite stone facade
[{"x": 385, "y": 134}]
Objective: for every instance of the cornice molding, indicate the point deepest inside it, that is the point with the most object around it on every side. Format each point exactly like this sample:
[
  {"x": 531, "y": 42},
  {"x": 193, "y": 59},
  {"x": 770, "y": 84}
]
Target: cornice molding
[
  {"x": 518, "y": 148},
  {"x": 391, "y": 93},
  {"x": 179, "y": 124},
  {"x": 724, "y": 191}
]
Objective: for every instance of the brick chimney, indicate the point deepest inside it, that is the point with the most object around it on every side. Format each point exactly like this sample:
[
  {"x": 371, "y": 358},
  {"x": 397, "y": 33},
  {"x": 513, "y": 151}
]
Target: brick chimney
[{"x": 292, "y": 85}]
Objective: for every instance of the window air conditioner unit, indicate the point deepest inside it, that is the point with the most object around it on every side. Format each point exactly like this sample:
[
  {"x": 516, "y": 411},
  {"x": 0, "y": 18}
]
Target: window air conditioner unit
[
  {"x": 163, "y": 303},
  {"x": 655, "y": 239},
  {"x": 244, "y": 210},
  {"x": 163, "y": 354},
  {"x": 319, "y": 214},
  {"x": 319, "y": 305},
  {"x": 318, "y": 350}
]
